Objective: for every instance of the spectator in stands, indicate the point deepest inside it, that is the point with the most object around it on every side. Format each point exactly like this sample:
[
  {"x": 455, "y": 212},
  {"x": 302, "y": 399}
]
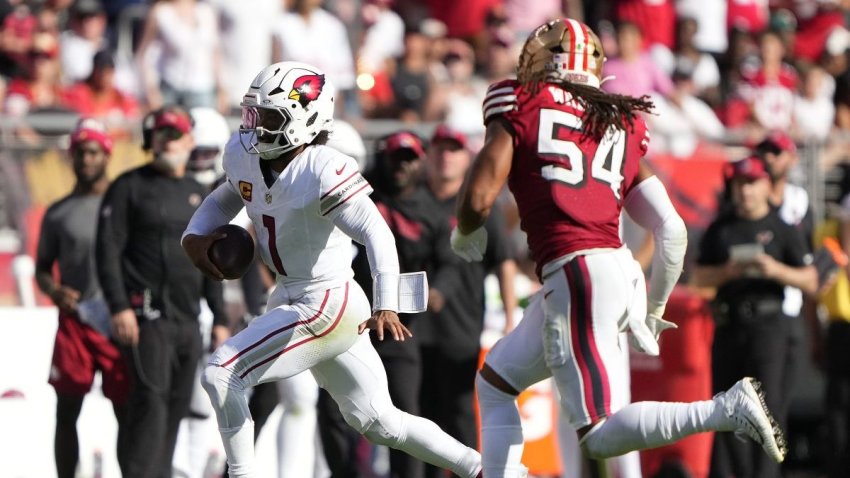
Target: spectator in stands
[
  {"x": 783, "y": 22},
  {"x": 451, "y": 345},
  {"x": 742, "y": 48},
  {"x": 814, "y": 111},
  {"x": 711, "y": 35},
  {"x": 412, "y": 81},
  {"x": 635, "y": 74},
  {"x": 245, "y": 22},
  {"x": 310, "y": 34},
  {"x": 189, "y": 70},
  {"x": 463, "y": 20},
  {"x": 523, "y": 17},
  {"x": 686, "y": 57},
  {"x": 500, "y": 57},
  {"x": 16, "y": 39},
  {"x": 655, "y": 19},
  {"x": 749, "y": 255},
  {"x": 49, "y": 26},
  {"x": 458, "y": 98},
  {"x": 98, "y": 97},
  {"x": 679, "y": 126},
  {"x": 765, "y": 96},
  {"x": 818, "y": 21},
  {"x": 39, "y": 88},
  {"x": 384, "y": 36},
  {"x": 748, "y": 15},
  {"x": 85, "y": 36},
  {"x": 383, "y": 43},
  {"x": 633, "y": 71},
  {"x": 83, "y": 343},
  {"x": 154, "y": 292}
]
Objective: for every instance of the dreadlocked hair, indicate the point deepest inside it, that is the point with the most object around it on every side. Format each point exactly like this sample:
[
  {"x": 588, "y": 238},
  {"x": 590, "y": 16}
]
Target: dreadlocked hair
[{"x": 601, "y": 110}]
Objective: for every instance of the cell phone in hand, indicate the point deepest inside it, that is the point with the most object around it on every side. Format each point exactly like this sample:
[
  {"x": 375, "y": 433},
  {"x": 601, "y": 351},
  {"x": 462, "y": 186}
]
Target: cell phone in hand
[{"x": 745, "y": 252}]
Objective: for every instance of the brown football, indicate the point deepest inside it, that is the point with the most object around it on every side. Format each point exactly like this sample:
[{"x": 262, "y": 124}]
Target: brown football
[{"x": 234, "y": 253}]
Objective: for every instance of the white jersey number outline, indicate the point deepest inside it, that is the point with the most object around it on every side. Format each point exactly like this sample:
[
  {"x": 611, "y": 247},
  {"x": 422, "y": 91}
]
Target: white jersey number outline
[{"x": 607, "y": 164}]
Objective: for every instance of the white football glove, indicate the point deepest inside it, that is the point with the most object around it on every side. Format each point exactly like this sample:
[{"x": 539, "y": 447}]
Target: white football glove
[
  {"x": 470, "y": 247},
  {"x": 645, "y": 333}
]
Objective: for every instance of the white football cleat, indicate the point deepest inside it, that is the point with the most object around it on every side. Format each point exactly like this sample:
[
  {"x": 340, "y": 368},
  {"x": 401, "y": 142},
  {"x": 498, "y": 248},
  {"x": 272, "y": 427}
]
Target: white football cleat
[{"x": 744, "y": 405}]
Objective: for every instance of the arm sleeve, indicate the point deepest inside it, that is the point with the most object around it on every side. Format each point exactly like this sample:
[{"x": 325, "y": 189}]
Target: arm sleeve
[
  {"x": 649, "y": 205},
  {"x": 222, "y": 205},
  {"x": 112, "y": 233},
  {"x": 361, "y": 221}
]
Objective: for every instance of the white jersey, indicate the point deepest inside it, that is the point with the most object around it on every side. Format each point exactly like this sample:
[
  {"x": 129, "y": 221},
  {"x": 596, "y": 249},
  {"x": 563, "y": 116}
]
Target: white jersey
[{"x": 293, "y": 218}]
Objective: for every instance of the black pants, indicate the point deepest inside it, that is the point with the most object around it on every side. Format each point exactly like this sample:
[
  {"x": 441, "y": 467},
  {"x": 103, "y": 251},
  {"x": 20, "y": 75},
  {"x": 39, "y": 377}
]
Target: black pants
[
  {"x": 163, "y": 366},
  {"x": 448, "y": 396},
  {"x": 838, "y": 398},
  {"x": 755, "y": 347},
  {"x": 339, "y": 441},
  {"x": 263, "y": 401}
]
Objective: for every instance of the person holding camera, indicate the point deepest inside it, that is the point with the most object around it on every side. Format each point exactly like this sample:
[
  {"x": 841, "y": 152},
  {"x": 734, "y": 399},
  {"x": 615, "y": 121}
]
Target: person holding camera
[{"x": 749, "y": 254}]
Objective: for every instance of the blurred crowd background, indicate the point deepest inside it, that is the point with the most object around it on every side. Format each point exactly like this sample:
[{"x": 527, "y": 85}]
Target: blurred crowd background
[{"x": 723, "y": 75}]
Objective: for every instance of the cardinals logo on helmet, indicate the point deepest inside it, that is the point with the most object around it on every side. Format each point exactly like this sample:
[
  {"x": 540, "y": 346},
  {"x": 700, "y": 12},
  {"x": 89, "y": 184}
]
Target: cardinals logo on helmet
[{"x": 307, "y": 88}]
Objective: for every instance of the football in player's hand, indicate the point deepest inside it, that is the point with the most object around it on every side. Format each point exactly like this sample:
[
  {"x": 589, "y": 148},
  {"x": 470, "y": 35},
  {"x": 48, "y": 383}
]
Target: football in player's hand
[{"x": 232, "y": 254}]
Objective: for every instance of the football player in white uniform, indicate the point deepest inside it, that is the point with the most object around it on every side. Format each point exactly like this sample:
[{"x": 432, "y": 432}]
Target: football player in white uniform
[{"x": 307, "y": 202}]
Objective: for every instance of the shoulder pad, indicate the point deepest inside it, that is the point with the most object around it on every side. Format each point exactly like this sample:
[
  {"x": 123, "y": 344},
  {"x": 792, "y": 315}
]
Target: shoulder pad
[{"x": 501, "y": 98}]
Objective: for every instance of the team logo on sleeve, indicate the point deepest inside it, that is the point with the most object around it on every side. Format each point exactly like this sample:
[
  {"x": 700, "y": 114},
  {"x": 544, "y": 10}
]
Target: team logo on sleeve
[
  {"x": 246, "y": 189},
  {"x": 307, "y": 89},
  {"x": 342, "y": 192}
]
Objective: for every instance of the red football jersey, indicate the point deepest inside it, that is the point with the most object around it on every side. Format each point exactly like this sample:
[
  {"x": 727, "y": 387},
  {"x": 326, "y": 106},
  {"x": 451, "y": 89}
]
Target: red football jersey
[{"x": 569, "y": 187}]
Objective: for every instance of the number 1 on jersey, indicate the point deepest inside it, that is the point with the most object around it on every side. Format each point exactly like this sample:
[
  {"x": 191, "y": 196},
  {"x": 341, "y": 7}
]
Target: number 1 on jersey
[
  {"x": 268, "y": 222},
  {"x": 607, "y": 164}
]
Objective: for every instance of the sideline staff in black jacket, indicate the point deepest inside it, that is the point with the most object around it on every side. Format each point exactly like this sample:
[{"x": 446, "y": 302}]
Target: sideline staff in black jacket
[
  {"x": 749, "y": 255},
  {"x": 154, "y": 293}
]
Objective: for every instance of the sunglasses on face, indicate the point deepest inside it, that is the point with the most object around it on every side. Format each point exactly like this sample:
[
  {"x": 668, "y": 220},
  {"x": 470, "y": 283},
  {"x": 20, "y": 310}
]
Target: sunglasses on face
[{"x": 169, "y": 134}]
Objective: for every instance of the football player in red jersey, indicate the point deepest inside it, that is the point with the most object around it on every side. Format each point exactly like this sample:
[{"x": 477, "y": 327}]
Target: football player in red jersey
[{"x": 572, "y": 156}]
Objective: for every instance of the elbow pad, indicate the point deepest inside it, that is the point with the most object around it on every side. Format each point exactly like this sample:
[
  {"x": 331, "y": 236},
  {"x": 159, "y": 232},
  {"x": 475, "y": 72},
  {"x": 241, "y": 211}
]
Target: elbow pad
[{"x": 649, "y": 205}]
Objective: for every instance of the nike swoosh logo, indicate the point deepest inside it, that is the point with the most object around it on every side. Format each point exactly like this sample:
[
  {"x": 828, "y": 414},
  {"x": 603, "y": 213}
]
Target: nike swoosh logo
[{"x": 340, "y": 170}]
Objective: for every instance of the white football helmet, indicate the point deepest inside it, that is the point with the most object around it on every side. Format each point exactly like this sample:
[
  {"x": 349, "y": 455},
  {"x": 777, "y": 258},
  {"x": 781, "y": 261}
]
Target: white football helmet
[
  {"x": 288, "y": 105},
  {"x": 211, "y": 133}
]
